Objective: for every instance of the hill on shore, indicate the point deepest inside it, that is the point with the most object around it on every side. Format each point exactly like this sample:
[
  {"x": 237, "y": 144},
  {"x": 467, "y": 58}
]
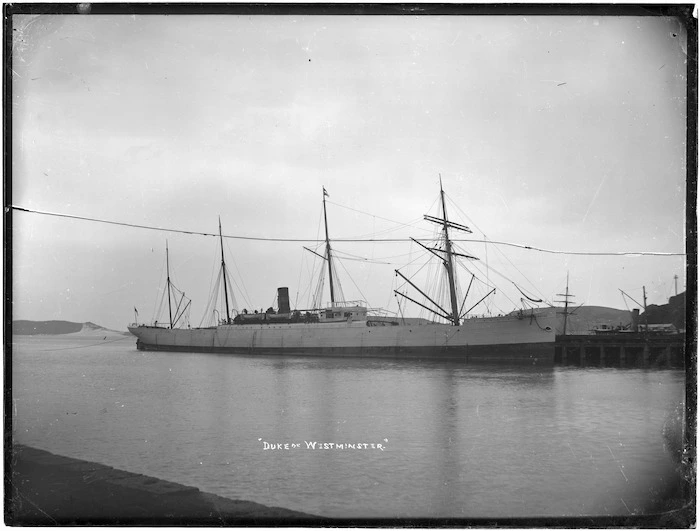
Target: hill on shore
[
  {"x": 673, "y": 312},
  {"x": 31, "y": 328},
  {"x": 585, "y": 318}
]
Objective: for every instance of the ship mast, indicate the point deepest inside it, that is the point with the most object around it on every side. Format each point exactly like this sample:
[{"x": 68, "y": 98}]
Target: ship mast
[
  {"x": 566, "y": 296},
  {"x": 455, "y": 315},
  {"x": 223, "y": 269},
  {"x": 448, "y": 261},
  {"x": 167, "y": 268},
  {"x": 328, "y": 249}
]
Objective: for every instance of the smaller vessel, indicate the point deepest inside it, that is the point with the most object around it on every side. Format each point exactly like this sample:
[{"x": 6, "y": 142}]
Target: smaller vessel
[
  {"x": 176, "y": 315},
  {"x": 606, "y": 329}
]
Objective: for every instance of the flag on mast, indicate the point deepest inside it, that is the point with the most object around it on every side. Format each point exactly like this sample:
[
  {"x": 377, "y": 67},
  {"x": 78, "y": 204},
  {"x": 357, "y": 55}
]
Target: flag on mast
[{"x": 325, "y": 194}]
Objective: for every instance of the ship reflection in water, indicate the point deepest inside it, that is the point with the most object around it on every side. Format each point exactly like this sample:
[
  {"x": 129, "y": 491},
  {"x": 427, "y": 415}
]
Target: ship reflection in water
[{"x": 305, "y": 433}]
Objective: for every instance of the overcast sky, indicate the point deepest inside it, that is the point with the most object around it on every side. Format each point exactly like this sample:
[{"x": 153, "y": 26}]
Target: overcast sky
[{"x": 563, "y": 133}]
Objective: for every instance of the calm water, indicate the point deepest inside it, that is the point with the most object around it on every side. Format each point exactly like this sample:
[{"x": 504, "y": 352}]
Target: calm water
[{"x": 459, "y": 441}]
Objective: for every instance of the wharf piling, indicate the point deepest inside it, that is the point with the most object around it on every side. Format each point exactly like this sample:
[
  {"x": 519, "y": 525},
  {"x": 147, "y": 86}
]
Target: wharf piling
[{"x": 621, "y": 350}]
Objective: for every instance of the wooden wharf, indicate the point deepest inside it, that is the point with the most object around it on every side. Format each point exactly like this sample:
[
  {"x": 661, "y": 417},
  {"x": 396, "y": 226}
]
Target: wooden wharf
[{"x": 631, "y": 349}]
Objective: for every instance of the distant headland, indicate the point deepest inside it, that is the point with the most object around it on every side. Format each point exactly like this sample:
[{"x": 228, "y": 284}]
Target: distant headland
[{"x": 31, "y": 328}]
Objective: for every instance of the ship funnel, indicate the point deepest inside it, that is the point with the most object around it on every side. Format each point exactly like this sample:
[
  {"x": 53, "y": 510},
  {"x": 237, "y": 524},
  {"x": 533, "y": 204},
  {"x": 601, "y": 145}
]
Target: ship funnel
[
  {"x": 635, "y": 320},
  {"x": 283, "y": 300}
]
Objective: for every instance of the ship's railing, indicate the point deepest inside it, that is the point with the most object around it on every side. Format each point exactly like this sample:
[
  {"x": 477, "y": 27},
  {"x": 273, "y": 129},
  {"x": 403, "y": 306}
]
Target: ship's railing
[
  {"x": 346, "y": 304},
  {"x": 381, "y": 312},
  {"x": 164, "y": 326}
]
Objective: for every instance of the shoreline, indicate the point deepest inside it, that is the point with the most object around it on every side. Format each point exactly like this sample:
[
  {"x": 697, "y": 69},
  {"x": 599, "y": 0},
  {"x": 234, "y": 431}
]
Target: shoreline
[{"x": 43, "y": 488}]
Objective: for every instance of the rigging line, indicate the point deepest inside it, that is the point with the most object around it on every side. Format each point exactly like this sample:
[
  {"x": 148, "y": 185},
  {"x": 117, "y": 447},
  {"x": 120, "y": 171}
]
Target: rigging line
[
  {"x": 213, "y": 287},
  {"x": 161, "y": 288},
  {"x": 348, "y": 240},
  {"x": 489, "y": 268},
  {"x": 86, "y": 346},
  {"x": 401, "y": 224},
  {"x": 211, "y": 280},
  {"x": 211, "y": 302},
  {"x": 356, "y": 286},
  {"x": 624, "y": 299},
  {"x": 301, "y": 264},
  {"x": 234, "y": 302},
  {"x": 525, "y": 295},
  {"x": 410, "y": 262},
  {"x": 317, "y": 300},
  {"x": 363, "y": 260},
  {"x": 243, "y": 290},
  {"x": 374, "y": 235},
  {"x": 502, "y": 292},
  {"x": 497, "y": 249},
  {"x": 374, "y": 257},
  {"x": 337, "y": 286},
  {"x": 156, "y": 308},
  {"x": 317, "y": 293},
  {"x": 413, "y": 225},
  {"x": 313, "y": 282},
  {"x": 428, "y": 262},
  {"x": 393, "y": 286}
]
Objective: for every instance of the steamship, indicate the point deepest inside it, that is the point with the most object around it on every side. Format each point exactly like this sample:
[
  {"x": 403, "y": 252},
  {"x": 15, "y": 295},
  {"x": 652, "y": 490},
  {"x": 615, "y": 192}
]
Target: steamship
[{"x": 350, "y": 329}]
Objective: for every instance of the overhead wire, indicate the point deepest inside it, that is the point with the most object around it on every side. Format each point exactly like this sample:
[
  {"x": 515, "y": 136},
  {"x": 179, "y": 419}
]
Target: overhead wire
[
  {"x": 103, "y": 342},
  {"x": 355, "y": 240}
]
